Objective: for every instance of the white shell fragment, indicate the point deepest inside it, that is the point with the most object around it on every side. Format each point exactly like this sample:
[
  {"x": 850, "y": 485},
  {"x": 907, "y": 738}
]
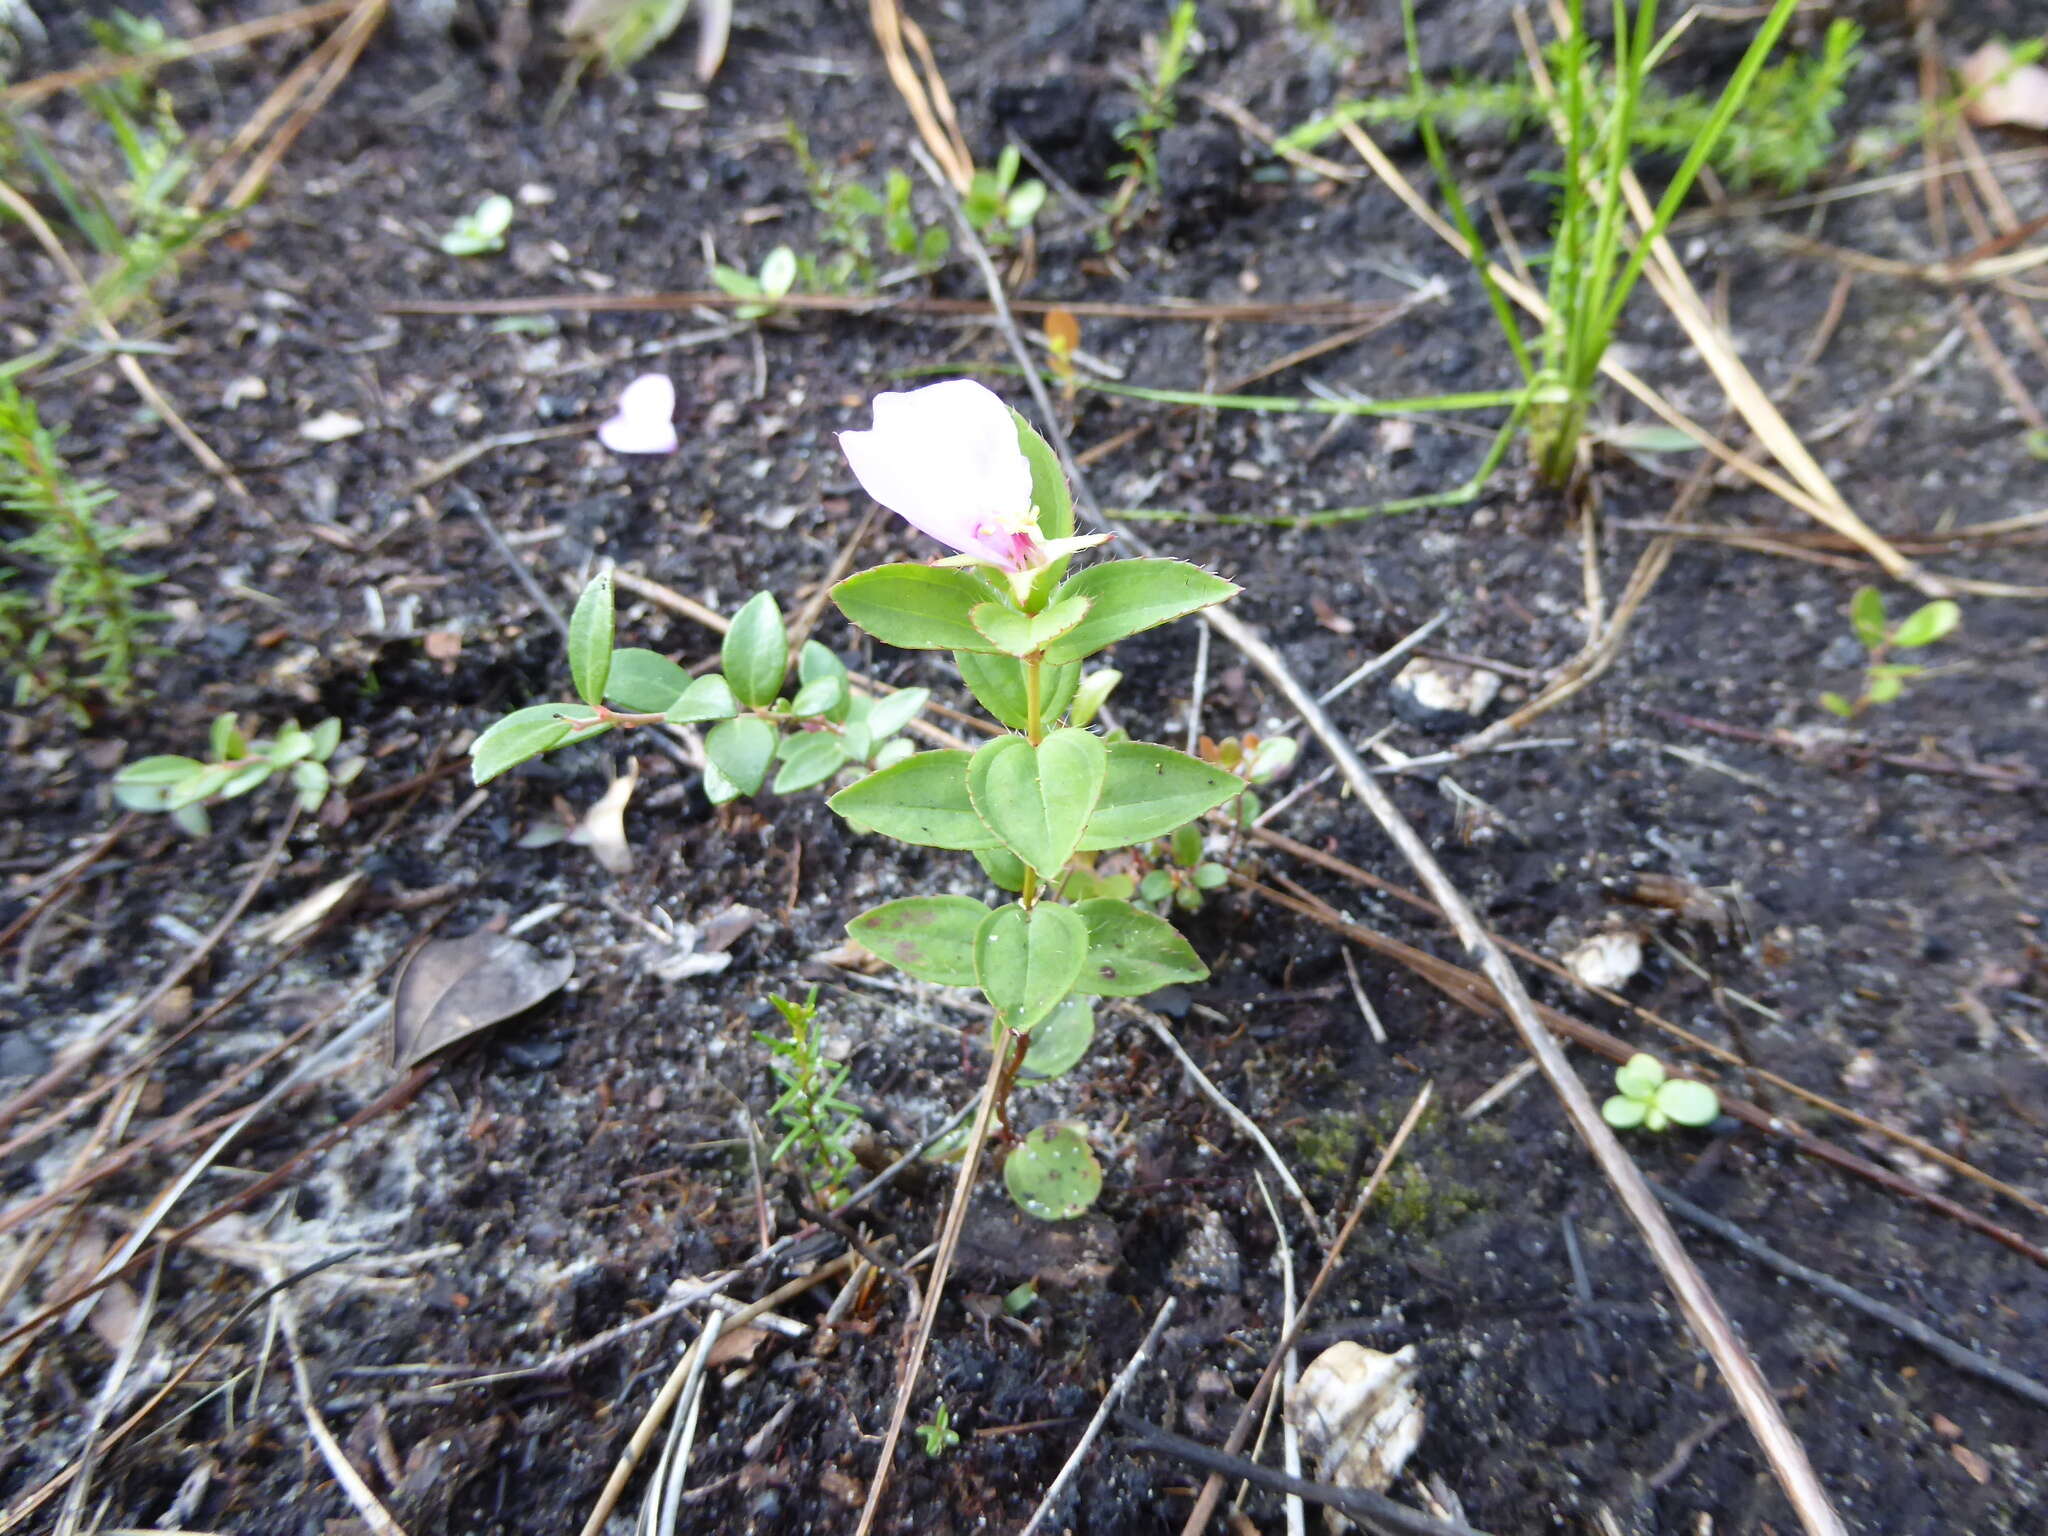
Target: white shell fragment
[
  {"x": 1358, "y": 1415},
  {"x": 1442, "y": 696},
  {"x": 1606, "y": 959}
]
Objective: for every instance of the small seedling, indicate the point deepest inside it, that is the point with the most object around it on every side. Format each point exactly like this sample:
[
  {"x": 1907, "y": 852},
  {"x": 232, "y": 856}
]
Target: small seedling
[
  {"x": 482, "y": 229},
  {"x": 235, "y": 765},
  {"x": 757, "y": 720},
  {"x": 997, "y": 204},
  {"x": 1158, "y": 107},
  {"x": 69, "y": 623},
  {"x": 817, "y": 1124},
  {"x": 939, "y": 1435},
  {"x": 779, "y": 271},
  {"x": 1649, "y": 1099},
  {"x": 1884, "y": 680}
]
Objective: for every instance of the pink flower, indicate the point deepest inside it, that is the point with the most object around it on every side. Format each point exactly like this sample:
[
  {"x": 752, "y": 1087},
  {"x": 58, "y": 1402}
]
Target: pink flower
[
  {"x": 645, "y": 420},
  {"x": 945, "y": 459}
]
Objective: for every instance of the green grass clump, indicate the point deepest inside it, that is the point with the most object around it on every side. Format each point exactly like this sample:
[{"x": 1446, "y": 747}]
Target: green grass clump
[
  {"x": 70, "y": 627},
  {"x": 1782, "y": 136}
]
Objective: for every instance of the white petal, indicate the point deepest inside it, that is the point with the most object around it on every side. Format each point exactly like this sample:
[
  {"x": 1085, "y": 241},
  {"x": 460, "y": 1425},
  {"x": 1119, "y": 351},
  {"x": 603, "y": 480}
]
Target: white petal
[
  {"x": 645, "y": 419},
  {"x": 945, "y": 459}
]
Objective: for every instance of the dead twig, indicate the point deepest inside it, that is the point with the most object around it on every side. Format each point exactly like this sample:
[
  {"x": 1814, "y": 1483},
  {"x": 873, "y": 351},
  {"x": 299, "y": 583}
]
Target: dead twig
[
  {"x": 241, "y": 33},
  {"x": 1117, "y": 1389},
  {"x": 1212, "y": 1488},
  {"x": 1190, "y": 311},
  {"x": 1237, "y": 1117}
]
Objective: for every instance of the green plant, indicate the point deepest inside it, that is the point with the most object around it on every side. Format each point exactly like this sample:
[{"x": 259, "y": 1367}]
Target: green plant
[
  {"x": 853, "y": 214},
  {"x": 1649, "y": 1099},
  {"x": 757, "y": 720},
  {"x": 69, "y": 623},
  {"x": 1591, "y": 268},
  {"x": 779, "y": 271},
  {"x": 141, "y": 230},
  {"x": 939, "y": 1435},
  {"x": 817, "y": 1124},
  {"x": 235, "y": 765},
  {"x": 1158, "y": 105},
  {"x": 1884, "y": 680},
  {"x": 1783, "y": 134},
  {"x": 956, "y": 463},
  {"x": 997, "y": 204},
  {"x": 482, "y": 229}
]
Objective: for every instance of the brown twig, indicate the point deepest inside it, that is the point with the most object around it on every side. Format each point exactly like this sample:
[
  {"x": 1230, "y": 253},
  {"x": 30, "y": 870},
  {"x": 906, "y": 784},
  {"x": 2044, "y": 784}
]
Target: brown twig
[
  {"x": 1212, "y": 1488},
  {"x": 242, "y": 32},
  {"x": 1304, "y": 312},
  {"x": 1475, "y": 992},
  {"x": 2011, "y": 778},
  {"x": 78, "y": 1055}
]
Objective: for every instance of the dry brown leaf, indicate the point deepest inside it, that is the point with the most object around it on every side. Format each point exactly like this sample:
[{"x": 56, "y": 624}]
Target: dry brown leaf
[
  {"x": 2006, "y": 95},
  {"x": 454, "y": 987}
]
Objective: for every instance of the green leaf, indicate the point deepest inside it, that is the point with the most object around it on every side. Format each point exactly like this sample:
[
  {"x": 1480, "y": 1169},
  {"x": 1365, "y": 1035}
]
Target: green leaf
[
  {"x": 1689, "y": 1103},
  {"x": 819, "y": 697},
  {"x": 1150, "y": 790},
  {"x": 1131, "y": 952},
  {"x": 291, "y": 744},
  {"x": 1020, "y": 634},
  {"x": 1038, "y": 800},
  {"x": 1093, "y": 692},
  {"x": 916, "y": 607},
  {"x": 1866, "y": 617},
  {"x": 1052, "y": 1174},
  {"x": 755, "y": 654},
  {"x": 816, "y": 664},
  {"x": 643, "y": 682},
  {"x": 1156, "y": 886},
  {"x": 590, "y": 639},
  {"x": 146, "y": 783},
  {"x": 1049, "y": 493},
  {"x": 1624, "y": 1113},
  {"x": 1924, "y": 626},
  {"x": 1132, "y": 595},
  {"x": 202, "y": 785},
  {"x": 921, "y": 800},
  {"x": 709, "y": 697},
  {"x": 1882, "y": 686},
  {"x": 998, "y": 683},
  {"x": 1002, "y": 867},
  {"x": 527, "y": 733},
  {"x": 1211, "y": 877},
  {"x": 812, "y": 758},
  {"x": 778, "y": 272},
  {"x": 257, "y": 772},
  {"x": 929, "y": 937},
  {"x": 225, "y": 741},
  {"x": 1027, "y": 961},
  {"x": 739, "y": 752},
  {"x": 326, "y": 737},
  {"x": 1835, "y": 704},
  {"x": 1640, "y": 1076},
  {"x": 311, "y": 781},
  {"x": 893, "y": 711},
  {"x": 1061, "y": 1039},
  {"x": 193, "y": 819}
]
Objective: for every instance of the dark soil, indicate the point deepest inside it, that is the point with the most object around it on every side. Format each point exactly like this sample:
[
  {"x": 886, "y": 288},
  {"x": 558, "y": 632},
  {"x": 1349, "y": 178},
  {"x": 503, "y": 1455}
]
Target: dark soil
[{"x": 556, "y": 1178}]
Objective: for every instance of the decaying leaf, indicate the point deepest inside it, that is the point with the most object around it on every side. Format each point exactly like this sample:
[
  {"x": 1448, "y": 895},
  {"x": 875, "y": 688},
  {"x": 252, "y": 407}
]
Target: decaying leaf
[
  {"x": 454, "y": 987},
  {"x": 1358, "y": 1413},
  {"x": 603, "y": 828},
  {"x": 2004, "y": 95},
  {"x": 310, "y": 911}
]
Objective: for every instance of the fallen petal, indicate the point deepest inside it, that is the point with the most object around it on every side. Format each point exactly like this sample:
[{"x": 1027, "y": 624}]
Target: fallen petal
[{"x": 645, "y": 420}]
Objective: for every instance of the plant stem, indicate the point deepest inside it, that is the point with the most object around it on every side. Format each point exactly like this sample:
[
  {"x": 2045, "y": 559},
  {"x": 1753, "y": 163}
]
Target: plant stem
[{"x": 1034, "y": 698}]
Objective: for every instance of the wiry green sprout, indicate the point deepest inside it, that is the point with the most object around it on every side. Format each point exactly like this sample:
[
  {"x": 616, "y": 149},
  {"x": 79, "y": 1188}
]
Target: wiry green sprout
[{"x": 70, "y": 627}]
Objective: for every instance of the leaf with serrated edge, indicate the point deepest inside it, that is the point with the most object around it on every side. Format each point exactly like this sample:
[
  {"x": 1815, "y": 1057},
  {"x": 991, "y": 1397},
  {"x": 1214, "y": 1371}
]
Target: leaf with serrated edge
[
  {"x": 916, "y": 607},
  {"x": 929, "y": 937},
  {"x": 1038, "y": 800},
  {"x": 921, "y": 800},
  {"x": 1149, "y": 791},
  {"x": 1127, "y": 596},
  {"x": 1131, "y": 953},
  {"x": 1027, "y": 961}
]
